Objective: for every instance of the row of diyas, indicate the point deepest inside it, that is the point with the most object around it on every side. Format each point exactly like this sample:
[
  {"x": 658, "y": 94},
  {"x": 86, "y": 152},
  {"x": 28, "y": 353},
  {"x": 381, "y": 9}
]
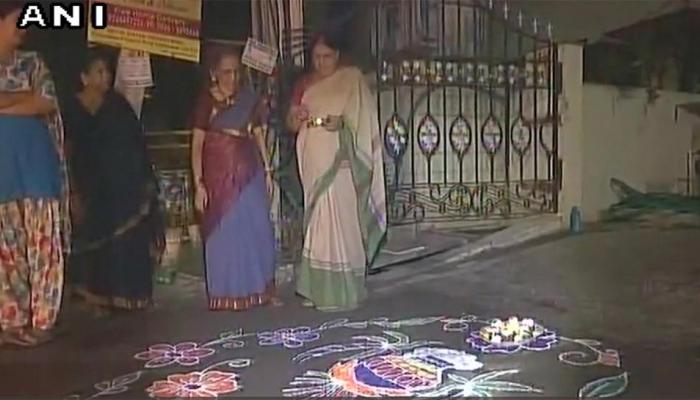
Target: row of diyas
[
  {"x": 438, "y": 72},
  {"x": 512, "y": 330}
]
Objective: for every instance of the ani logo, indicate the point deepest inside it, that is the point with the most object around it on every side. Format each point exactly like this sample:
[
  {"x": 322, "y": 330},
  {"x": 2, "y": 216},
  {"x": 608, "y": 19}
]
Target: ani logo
[{"x": 57, "y": 16}]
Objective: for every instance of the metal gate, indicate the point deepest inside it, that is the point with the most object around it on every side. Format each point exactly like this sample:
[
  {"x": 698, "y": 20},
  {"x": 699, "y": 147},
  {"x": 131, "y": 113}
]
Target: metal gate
[
  {"x": 467, "y": 98},
  {"x": 468, "y": 103}
]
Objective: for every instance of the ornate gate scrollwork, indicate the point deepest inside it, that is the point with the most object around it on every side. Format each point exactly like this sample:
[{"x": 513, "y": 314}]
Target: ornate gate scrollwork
[{"x": 468, "y": 100}]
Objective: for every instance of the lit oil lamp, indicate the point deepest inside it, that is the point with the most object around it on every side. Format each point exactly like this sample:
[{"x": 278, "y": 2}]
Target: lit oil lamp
[{"x": 316, "y": 122}]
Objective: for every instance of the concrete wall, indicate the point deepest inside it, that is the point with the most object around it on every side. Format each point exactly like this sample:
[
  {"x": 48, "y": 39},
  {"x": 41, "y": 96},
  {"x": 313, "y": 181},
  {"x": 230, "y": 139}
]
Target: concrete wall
[
  {"x": 571, "y": 132},
  {"x": 642, "y": 144},
  {"x": 606, "y": 134}
]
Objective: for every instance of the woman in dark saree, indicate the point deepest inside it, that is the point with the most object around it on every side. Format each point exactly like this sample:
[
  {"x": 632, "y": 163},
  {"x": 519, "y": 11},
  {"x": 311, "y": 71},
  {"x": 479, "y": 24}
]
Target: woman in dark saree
[{"x": 118, "y": 231}]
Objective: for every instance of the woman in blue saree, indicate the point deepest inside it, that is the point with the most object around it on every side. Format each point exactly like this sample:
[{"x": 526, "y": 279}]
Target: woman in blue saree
[{"x": 230, "y": 173}]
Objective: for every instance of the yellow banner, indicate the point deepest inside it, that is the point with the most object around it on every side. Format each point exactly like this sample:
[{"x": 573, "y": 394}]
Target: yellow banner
[{"x": 168, "y": 28}]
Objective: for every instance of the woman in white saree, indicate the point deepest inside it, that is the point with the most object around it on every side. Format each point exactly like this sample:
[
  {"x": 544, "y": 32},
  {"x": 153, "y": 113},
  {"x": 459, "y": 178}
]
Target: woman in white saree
[{"x": 339, "y": 150}]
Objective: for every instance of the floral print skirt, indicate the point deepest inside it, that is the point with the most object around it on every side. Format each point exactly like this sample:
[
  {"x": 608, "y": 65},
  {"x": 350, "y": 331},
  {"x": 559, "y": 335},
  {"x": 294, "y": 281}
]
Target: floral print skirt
[{"x": 31, "y": 264}]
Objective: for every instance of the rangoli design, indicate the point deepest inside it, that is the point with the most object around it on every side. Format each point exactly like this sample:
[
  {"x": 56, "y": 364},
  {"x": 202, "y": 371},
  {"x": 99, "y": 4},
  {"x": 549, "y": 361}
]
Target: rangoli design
[
  {"x": 511, "y": 336},
  {"x": 378, "y": 359},
  {"x": 393, "y": 370},
  {"x": 186, "y": 354},
  {"x": 290, "y": 338},
  {"x": 195, "y": 384}
]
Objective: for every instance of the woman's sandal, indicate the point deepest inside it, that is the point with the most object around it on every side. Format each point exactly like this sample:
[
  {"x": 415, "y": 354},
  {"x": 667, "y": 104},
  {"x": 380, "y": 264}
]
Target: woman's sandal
[
  {"x": 308, "y": 304},
  {"x": 305, "y": 302},
  {"x": 42, "y": 336},
  {"x": 20, "y": 338},
  {"x": 329, "y": 309}
]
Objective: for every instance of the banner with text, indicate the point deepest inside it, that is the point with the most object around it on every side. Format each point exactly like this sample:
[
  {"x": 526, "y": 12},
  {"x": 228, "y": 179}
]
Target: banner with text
[{"x": 168, "y": 28}]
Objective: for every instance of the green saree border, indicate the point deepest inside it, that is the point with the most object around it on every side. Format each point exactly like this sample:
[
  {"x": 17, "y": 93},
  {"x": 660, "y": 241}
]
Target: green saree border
[
  {"x": 373, "y": 236},
  {"x": 330, "y": 290}
]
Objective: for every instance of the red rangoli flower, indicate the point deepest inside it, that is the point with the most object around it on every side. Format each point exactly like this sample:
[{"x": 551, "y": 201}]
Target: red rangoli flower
[{"x": 195, "y": 384}]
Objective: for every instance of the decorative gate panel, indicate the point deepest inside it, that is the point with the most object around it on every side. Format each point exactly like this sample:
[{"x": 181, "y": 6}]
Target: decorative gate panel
[{"x": 467, "y": 98}]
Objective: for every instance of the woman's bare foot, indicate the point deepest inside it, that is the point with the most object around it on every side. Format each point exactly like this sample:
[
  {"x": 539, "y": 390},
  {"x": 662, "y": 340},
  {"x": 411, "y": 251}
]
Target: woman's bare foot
[
  {"x": 95, "y": 310},
  {"x": 100, "y": 311},
  {"x": 276, "y": 302}
]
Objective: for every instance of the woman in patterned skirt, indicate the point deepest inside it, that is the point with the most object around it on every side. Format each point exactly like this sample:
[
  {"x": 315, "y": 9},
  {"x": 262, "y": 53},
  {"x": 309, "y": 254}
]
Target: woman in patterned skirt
[{"x": 33, "y": 206}]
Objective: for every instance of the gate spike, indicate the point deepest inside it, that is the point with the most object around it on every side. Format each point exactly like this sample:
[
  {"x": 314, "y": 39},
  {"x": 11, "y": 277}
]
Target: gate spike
[
  {"x": 520, "y": 19},
  {"x": 505, "y": 9}
]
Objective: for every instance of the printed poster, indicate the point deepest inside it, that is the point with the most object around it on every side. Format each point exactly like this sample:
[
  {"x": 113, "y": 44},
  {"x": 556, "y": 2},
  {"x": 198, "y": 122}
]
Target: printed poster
[
  {"x": 133, "y": 76},
  {"x": 259, "y": 56},
  {"x": 169, "y": 28},
  {"x": 134, "y": 68}
]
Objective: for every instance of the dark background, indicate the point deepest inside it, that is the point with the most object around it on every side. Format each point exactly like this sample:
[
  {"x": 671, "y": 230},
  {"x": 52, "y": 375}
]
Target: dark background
[{"x": 170, "y": 101}]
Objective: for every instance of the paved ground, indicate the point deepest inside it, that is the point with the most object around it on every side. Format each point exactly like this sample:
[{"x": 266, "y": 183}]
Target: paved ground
[
  {"x": 403, "y": 245},
  {"x": 633, "y": 291}
]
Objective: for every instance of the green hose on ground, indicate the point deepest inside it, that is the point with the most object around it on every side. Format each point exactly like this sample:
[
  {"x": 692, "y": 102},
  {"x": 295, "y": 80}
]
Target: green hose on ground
[{"x": 634, "y": 204}]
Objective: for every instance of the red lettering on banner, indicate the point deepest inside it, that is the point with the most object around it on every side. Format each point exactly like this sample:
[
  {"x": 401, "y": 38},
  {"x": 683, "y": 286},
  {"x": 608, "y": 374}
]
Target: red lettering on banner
[{"x": 149, "y": 21}]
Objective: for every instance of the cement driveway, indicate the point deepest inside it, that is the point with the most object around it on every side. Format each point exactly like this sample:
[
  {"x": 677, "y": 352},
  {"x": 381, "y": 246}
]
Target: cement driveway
[{"x": 622, "y": 306}]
